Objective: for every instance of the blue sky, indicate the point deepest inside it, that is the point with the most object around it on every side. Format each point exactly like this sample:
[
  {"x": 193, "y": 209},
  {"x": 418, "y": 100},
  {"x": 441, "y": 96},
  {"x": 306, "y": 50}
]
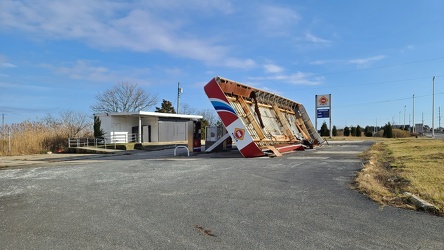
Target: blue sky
[{"x": 372, "y": 56}]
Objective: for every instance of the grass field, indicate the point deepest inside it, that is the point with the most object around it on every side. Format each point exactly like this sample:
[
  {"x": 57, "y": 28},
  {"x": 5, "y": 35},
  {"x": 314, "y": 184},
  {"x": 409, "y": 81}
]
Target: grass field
[{"x": 396, "y": 166}]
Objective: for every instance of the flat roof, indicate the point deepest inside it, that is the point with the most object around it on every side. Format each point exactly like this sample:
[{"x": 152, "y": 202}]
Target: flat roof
[{"x": 152, "y": 114}]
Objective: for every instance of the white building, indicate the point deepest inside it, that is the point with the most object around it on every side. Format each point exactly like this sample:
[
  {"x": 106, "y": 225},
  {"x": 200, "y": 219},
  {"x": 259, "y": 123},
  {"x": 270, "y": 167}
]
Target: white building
[{"x": 147, "y": 126}]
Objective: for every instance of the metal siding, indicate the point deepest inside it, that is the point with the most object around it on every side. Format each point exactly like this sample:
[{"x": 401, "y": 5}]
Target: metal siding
[{"x": 172, "y": 131}]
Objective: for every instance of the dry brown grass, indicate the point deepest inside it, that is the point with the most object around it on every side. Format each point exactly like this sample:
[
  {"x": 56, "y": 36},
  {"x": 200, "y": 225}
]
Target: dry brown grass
[
  {"x": 36, "y": 137},
  {"x": 404, "y": 165}
]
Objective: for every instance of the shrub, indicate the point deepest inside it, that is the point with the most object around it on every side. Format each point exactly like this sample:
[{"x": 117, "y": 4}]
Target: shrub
[
  {"x": 353, "y": 131},
  {"x": 324, "y": 130},
  {"x": 335, "y": 131},
  {"x": 358, "y": 131},
  {"x": 368, "y": 132},
  {"x": 399, "y": 133},
  {"x": 388, "y": 131},
  {"x": 346, "y": 131}
]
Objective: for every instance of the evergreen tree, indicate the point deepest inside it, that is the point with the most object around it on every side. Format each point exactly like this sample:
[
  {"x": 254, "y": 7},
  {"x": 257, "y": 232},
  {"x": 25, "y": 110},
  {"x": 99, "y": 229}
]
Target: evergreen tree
[
  {"x": 203, "y": 124},
  {"x": 346, "y": 131},
  {"x": 324, "y": 130},
  {"x": 335, "y": 131},
  {"x": 368, "y": 132},
  {"x": 353, "y": 131},
  {"x": 388, "y": 132},
  {"x": 358, "y": 132},
  {"x": 166, "y": 107},
  {"x": 98, "y": 131}
]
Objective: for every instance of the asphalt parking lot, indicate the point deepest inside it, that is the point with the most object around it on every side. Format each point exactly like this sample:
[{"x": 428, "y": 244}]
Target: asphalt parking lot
[{"x": 153, "y": 200}]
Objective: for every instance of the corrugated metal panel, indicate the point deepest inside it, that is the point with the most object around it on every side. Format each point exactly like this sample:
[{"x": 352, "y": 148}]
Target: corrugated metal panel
[{"x": 172, "y": 131}]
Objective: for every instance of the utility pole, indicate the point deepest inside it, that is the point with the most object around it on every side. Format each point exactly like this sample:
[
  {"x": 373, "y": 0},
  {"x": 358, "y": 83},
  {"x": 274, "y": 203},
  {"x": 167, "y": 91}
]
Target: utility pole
[
  {"x": 433, "y": 107},
  {"x": 439, "y": 117},
  {"x": 3, "y": 132},
  {"x": 413, "y": 122},
  {"x": 376, "y": 128},
  {"x": 404, "y": 116},
  {"x": 179, "y": 91},
  {"x": 399, "y": 119}
]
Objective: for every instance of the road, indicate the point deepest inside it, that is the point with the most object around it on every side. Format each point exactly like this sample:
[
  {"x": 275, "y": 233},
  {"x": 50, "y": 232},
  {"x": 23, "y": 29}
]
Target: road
[
  {"x": 302, "y": 200},
  {"x": 438, "y": 135}
]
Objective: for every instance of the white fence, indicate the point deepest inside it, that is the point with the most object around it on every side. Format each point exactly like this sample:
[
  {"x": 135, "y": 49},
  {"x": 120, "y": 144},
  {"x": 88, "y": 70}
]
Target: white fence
[{"x": 112, "y": 139}]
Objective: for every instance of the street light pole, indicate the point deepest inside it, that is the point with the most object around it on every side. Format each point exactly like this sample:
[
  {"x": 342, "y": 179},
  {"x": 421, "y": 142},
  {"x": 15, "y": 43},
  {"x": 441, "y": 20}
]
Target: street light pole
[{"x": 433, "y": 107}]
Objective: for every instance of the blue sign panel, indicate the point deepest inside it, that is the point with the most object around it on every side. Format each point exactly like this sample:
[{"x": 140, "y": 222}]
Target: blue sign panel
[{"x": 323, "y": 113}]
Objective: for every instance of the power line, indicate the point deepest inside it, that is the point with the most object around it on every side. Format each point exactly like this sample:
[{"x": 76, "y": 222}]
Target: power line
[
  {"x": 383, "y": 101},
  {"x": 363, "y": 84},
  {"x": 381, "y": 67}
]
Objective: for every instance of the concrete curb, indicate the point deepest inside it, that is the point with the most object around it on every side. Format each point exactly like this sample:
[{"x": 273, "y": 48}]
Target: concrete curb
[{"x": 421, "y": 204}]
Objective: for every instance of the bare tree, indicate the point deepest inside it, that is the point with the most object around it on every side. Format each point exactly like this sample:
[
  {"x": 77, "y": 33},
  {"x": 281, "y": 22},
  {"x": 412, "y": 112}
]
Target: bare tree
[
  {"x": 75, "y": 123},
  {"x": 186, "y": 109},
  {"x": 209, "y": 115},
  {"x": 124, "y": 97}
]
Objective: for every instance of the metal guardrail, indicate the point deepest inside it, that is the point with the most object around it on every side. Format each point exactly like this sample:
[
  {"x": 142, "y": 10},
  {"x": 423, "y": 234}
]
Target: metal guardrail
[{"x": 102, "y": 141}]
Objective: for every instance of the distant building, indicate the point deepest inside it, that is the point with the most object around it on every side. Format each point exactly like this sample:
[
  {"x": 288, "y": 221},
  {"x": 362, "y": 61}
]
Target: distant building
[
  {"x": 419, "y": 128},
  {"x": 147, "y": 126}
]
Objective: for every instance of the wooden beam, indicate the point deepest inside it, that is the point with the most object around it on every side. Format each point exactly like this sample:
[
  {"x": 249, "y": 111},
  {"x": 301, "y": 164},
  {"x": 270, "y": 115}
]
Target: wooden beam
[
  {"x": 251, "y": 118},
  {"x": 274, "y": 150},
  {"x": 302, "y": 129},
  {"x": 284, "y": 123},
  {"x": 234, "y": 99}
]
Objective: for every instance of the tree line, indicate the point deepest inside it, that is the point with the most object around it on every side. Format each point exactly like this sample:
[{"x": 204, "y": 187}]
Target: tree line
[{"x": 386, "y": 131}]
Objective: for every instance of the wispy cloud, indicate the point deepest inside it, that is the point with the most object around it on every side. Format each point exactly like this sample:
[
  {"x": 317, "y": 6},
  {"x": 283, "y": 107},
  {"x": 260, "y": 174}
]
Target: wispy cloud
[
  {"x": 8, "y": 65},
  {"x": 276, "y": 20},
  {"x": 239, "y": 63},
  {"x": 89, "y": 71},
  {"x": 311, "y": 38},
  {"x": 325, "y": 61},
  {"x": 407, "y": 48},
  {"x": 298, "y": 78},
  {"x": 4, "y": 62},
  {"x": 272, "y": 68},
  {"x": 83, "y": 70},
  {"x": 362, "y": 62},
  {"x": 11, "y": 86},
  {"x": 308, "y": 41},
  {"x": 137, "y": 26}
]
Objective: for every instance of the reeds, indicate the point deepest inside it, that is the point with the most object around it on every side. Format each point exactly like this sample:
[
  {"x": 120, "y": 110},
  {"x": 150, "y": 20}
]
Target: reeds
[{"x": 37, "y": 137}]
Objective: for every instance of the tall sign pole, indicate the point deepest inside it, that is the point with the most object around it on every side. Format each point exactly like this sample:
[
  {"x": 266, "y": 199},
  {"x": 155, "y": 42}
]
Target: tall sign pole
[
  {"x": 331, "y": 131},
  {"x": 316, "y": 113},
  {"x": 323, "y": 109}
]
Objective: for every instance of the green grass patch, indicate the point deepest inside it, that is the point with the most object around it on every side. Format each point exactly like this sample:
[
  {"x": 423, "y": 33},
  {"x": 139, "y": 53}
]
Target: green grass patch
[{"x": 396, "y": 166}]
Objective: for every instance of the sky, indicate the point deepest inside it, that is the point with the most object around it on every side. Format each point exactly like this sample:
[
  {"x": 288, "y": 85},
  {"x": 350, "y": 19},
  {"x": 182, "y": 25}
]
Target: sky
[{"x": 371, "y": 56}]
